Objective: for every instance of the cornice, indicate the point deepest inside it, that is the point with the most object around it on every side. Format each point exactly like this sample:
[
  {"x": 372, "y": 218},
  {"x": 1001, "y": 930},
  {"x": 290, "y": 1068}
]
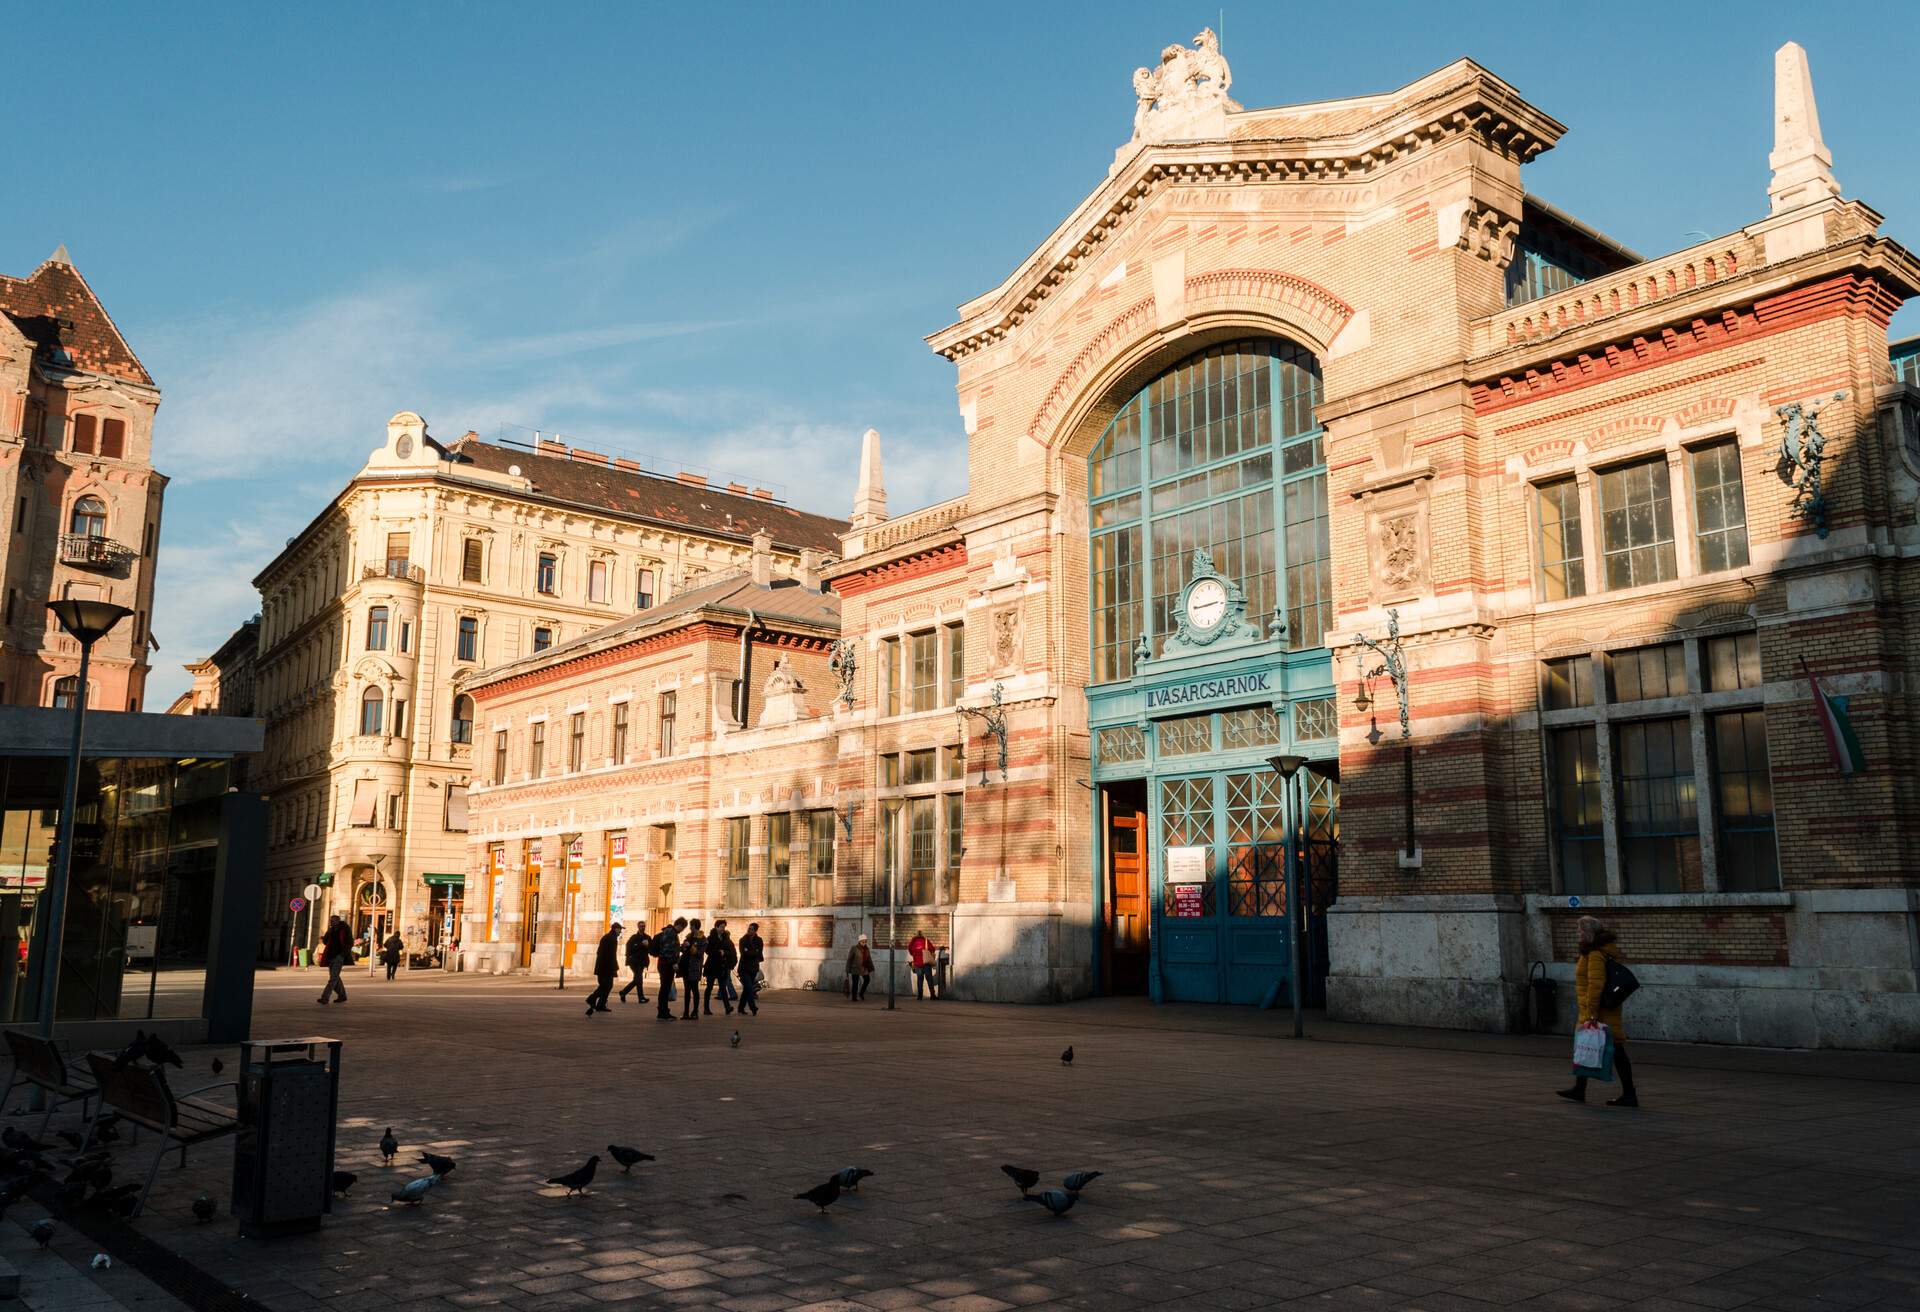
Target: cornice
[
  {"x": 489, "y": 688},
  {"x": 918, "y": 563}
]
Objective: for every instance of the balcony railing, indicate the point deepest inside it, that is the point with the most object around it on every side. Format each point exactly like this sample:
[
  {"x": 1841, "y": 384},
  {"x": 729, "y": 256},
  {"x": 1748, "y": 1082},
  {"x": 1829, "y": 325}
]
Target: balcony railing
[
  {"x": 394, "y": 569},
  {"x": 89, "y": 552}
]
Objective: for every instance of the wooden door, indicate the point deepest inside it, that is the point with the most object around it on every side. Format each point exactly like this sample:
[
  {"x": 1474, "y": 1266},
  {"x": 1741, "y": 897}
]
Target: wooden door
[{"x": 1127, "y": 899}]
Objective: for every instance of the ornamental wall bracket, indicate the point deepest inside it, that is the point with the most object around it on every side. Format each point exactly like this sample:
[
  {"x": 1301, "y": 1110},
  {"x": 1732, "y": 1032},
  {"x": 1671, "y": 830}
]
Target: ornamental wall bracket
[
  {"x": 993, "y": 722},
  {"x": 1393, "y": 664},
  {"x": 1803, "y": 452},
  {"x": 843, "y": 659}
]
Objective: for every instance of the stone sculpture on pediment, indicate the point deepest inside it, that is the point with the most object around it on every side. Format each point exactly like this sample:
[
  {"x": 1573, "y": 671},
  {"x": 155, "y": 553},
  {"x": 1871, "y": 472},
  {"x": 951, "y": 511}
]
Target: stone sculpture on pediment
[
  {"x": 1184, "y": 97},
  {"x": 781, "y": 679}
]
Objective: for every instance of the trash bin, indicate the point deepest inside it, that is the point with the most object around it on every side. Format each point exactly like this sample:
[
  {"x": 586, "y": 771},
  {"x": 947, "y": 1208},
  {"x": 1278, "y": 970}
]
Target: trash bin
[
  {"x": 283, "y": 1154},
  {"x": 940, "y": 962},
  {"x": 1541, "y": 989}
]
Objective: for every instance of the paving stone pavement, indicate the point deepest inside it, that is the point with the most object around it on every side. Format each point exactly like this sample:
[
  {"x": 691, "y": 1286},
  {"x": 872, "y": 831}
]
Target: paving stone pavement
[{"x": 1243, "y": 1169}]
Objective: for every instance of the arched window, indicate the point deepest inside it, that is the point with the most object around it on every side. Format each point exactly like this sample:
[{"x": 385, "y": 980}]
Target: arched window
[
  {"x": 377, "y": 629},
  {"x": 89, "y": 518},
  {"x": 373, "y": 708},
  {"x": 1221, "y": 451},
  {"x": 64, "y": 691},
  {"x": 463, "y": 718}
]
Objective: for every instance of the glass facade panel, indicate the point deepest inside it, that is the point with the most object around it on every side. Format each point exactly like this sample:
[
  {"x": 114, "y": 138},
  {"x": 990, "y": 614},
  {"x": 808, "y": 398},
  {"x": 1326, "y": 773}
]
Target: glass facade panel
[
  {"x": 1189, "y": 736},
  {"x": 1252, "y": 726},
  {"x": 1256, "y": 845},
  {"x": 1719, "y": 507},
  {"x": 1636, "y": 524},
  {"x": 1124, "y": 744},
  {"x": 1316, "y": 717},
  {"x": 1576, "y": 811},
  {"x": 1743, "y": 783},
  {"x": 1648, "y": 672},
  {"x": 1733, "y": 662},
  {"x": 1569, "y": 682},
  {"x": 1659, "y": 809}
]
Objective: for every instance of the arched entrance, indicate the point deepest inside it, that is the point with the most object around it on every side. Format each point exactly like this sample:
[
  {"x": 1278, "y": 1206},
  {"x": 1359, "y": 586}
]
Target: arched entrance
[{"x": 372, "y": 916}]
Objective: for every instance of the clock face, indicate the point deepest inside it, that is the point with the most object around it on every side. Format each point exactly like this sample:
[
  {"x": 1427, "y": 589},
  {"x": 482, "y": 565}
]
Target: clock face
[
  {"x": 404, "y": 447},
  {"x": 1206, "y": 604}
]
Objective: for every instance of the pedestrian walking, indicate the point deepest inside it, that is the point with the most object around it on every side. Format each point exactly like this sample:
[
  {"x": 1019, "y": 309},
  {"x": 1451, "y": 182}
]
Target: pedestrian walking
[
  {"x": 639, "y": 948},
  {"x": 336, "y": 954},
  {"x": 606, "y": 969},
  {"x": 666, "y": 953},
  {"x": 859, "y": 970},
  {"x": 921, "y": 953},
  {"x": 1599, "y": 1000},
  {"x": 390, "y": 953},
  {"x": 722, "y": 957},
  {"x": 752, "y": 953},
  {"x": 693, "y": 960}
]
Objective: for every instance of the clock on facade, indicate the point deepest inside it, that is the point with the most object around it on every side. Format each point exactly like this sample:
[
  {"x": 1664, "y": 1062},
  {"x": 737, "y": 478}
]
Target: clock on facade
[{"x": 1206, "y": 604}]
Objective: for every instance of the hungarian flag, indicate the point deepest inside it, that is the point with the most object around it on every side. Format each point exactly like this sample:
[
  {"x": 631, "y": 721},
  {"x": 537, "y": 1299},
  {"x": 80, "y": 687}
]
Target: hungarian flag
[{"x": 1831, "y": 710}]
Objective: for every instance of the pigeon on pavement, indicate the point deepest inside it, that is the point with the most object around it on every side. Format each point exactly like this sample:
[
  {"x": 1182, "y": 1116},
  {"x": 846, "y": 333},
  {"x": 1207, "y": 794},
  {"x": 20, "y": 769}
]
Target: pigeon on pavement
[
  {"x": 733, "y": 1040},
  {"x": 203, "y": 1208},
  {"x": 343, "y": 1181},
  {"x": 849, "y": 1178},
  {"x": 576, "y": 1182},
  {"x": 414, "y": 1190},
  {"x": 627, "y": 1157},
  {"x": 822, "y": 1196},
  {"x": 42, "y": 1231},
  {"x": 1080, "y": 1180},
  {"x": 1021, "y": 1176},
  {"x": 442, "y": 1166},
  {"x": 388, "y": 1146},
  {"x": 1057, "y": 1201},
  {"x": 101, "y": 1262},
  {"x": 218, "y": 1065},
  {"x": 1066, "y": 1058}
]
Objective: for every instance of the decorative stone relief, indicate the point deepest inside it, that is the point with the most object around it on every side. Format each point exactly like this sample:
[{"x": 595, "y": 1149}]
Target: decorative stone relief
[
  {"x": 1488, "y": 234},
  {"x": 1403, "y": 563},
  {"x": 1008, "y": 643}
]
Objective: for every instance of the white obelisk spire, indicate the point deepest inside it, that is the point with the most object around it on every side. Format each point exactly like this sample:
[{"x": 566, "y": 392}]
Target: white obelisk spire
[
  {"x": 870, "y": 497},
  {"x": 1802, "y": 165}
]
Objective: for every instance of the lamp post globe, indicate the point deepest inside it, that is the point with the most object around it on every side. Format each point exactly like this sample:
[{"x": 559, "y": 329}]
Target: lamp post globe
[{"x": 85, "y": 620}]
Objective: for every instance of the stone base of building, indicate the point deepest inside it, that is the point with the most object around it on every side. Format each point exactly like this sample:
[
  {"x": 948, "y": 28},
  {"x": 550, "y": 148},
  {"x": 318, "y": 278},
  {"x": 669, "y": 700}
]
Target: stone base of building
[{"x": 1446, "y": 962}]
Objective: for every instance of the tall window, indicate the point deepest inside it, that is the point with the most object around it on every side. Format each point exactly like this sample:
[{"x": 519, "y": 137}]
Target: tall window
[
  {"x": 1218, "y": 452},
  {"x": 1719, "y": 506},
  {"x": 542, "y": 637},
  {"x": 1636, "y": 524},
  {"x": 954, "y": 822},
  {"x": 1576, "y": 811},
  {"x": 619, "y": 745},
  {"x": 576, "y": 742},
  {"x": 735, "y": 858},
  {"x": 89, "y": 518},
  {"x": 921, "y": 827},
  {"x": 536, "y": 749},
  {"x": 924, "y": 668},
  {"x": 1749, "y": 861},
  {"x": 956, "y": 663},
  {"x": 373, "y": 711},
  {"x": 65, "y": 690},
  {"x": 1659, "y": 820},
  {"x": 467, "y": 645},
  {"x": 820, "y": 825},
  {"x": 669, "y": 717},
  {"x": 546, "y": 573},
  {"x": 399, "y": 717},
  {"x": 397, "y": 552},
  {"x": 406, "y": 636},
  {"x": 1563, "y": 569},
  {"x": 377, "y": 629},
  {"x": 643, "y": 589},
  {"x": 779, "y": 857},
  {"x": 889, "y": 676},
  {"x": 596, "y": 580},
  {"x": 462, "y": 718},
  {"x": 472, "y": 561},
  {"x": 499, "y": 756}
]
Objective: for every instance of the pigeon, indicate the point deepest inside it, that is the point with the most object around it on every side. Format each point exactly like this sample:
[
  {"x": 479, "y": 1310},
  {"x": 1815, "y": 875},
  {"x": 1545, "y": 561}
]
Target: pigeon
[
  {"x": 822, "y": 1196},
  {"x": 218, "y": 1065},
  {"x": 576, "y": 1182},
  {"x": 442, "y": 1166},
  {"x": 849, "y": 1178},
  {"x": 1057, "y": 1201},
  {"x": 119, "y": 1200},
  {"x": 132, "y": 1052},
  {"x": 413, "y": 1191},
  {"x": 343, "y": 1181},
  {"x": 733, "y": 1040},
  {"x": 105, "y": 1129},
  {"x": 388, "y": 1146},
  {"x": 42, "y": 1231},
  {"x": 161, "y": 1053},
  {"x": 203, "y": 1209},
  {"x": 101, "y": 1262},
  {"x": 1080, "y": 1180},
  {"x": 21, "y": 1143},
  {"x": 1066, "y": 1058},
  {"x": 1021, "y": 1176},
  {"x": 628, "y": 1157}
]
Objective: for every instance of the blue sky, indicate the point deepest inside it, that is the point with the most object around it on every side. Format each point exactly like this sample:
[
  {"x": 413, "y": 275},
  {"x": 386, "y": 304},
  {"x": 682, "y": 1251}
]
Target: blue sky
[{"x": 717, "y": 234}]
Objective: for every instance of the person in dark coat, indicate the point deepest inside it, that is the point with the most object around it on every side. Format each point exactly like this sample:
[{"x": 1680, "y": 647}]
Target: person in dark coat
[
  {"x": 859, "y": 970},
  {"x": 606, "y": 969},
  {"x": 722, "y": 957},
  {"x": 752, "y": 953},
  {"x": 693, "y": 963},
  {"x": 337, "y": 944},
  {"x": 666, "y": 951},
  {"x": 390, "y": 953},
  {"x": 638, "y": 950}
]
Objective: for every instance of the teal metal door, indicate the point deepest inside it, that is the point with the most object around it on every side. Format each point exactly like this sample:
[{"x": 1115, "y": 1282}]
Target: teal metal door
[{"x": 1224, "y": 940}]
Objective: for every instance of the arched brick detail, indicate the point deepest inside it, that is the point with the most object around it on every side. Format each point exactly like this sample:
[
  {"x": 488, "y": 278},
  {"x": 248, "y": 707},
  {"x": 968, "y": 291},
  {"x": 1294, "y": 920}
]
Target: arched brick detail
[
  {"x": 1264, "y": 287},
  {"x": 1124, "y": 326}
]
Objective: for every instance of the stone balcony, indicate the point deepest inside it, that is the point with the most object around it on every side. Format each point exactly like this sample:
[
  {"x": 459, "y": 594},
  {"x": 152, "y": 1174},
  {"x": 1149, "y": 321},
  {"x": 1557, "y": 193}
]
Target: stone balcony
[{"x": 100, "y": 554}]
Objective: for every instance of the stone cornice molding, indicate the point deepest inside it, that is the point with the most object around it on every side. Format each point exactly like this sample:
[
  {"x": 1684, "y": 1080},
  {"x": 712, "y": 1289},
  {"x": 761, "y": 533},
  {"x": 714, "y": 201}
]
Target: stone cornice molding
[{"x": 866, "y": 577}]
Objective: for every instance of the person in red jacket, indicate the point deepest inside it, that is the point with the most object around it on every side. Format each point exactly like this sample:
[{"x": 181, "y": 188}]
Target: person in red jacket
[{"x": 921, "y": 952}]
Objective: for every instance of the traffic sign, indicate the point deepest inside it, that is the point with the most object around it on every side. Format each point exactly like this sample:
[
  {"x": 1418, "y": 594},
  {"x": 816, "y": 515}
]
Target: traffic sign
[
  {"x": 312, "y": 892},
  {"x": 295, "y": 904}
]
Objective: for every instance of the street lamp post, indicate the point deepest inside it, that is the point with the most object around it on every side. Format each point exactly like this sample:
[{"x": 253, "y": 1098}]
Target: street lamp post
[
  {"x": 568, "y": 872},
  {"x": 1393, "y": 663},
  {"x": 1287, "y": 766},
  {"x": 86, "y": 622}
]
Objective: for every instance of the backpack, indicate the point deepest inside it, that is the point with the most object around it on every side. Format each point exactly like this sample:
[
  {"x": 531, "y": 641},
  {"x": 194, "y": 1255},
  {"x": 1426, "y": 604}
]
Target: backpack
[{"x": 1620, "y": 984}]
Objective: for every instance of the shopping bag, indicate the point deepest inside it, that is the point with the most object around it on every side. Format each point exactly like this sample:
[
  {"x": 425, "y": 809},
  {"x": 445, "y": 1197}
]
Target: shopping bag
[{"x": 1593, "y": 1052}]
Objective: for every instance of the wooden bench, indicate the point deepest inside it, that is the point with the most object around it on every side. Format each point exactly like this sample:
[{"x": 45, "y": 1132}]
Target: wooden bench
[
  {"x": 142, "y": 1096},
  {"x": 39, "y": 1062}
]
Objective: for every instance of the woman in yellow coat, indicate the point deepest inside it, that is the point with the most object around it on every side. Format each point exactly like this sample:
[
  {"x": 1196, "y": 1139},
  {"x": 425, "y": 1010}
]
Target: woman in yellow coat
[{"x": 1597, "y": 947}]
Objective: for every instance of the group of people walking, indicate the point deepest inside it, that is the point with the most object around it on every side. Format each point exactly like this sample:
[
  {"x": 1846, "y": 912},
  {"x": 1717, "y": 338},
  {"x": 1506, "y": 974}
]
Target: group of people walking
[{"x": 685, "y": 957}]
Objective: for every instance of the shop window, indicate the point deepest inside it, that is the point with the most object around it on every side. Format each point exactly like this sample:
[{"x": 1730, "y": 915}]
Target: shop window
[
  {"x": 1569, "y": 682},
  {"x": 1645, "y": 673},
  {"x": 1576, "y": 810},
  {"x": 643, "y": 593},
  {"x": 779, "y": 857},
  {"x": 462, "y": 730},
  {"x": 597, "y": 580},
  {"x": 499, "y": 757},
  {"x": 546, "y": 574},
  {"x": 1719, "y": 507},
  {"x": 820, "y": 826},
  {"x": 619, "y": 744},
  {"x": 735, "y": 860},
  {"x": 1563, "y": 570},
  {"x": 89, "y": 518},
  {"x": 536, "y": 749},
  {"x": 467, "y": 641},
  {"x": 1733, "y": 662},
  {"x": 472, "y": 561},
  {"x": 377, "y": 628},
  {"x": 373, "y": 710},
  {"x": 576, "y": 742},
  {"x": 1659, "y": 811},
  {"x": 1636, "y": 524},
  {"x": 1743, "y": 785},
  {"x": 669, "y": 721}
]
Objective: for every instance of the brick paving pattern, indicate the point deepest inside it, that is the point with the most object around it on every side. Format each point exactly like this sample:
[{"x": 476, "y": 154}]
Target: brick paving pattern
[{"x": 1243, "y": 1170}]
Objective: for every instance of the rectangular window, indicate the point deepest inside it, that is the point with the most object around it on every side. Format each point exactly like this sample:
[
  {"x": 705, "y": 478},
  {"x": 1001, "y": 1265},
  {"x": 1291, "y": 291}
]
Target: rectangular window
[
  {"x": 820, "y": 857},
  {"x": 393, "y": 810},
  {"x": 471, "y": 561},
  {"x": 546, "y": 574},
  {"x": 669, "y": 717},
  {"x": 1733, "y": 662},
  {"x": 779, "y": 857},
  {"x": 406, "y": 636},
  {"x": 1659, "y": 809},
  {"x": 596, "y": 580},
  {"x": 956, "y": 761},
  {"x": 954, "y": 822},
  {"x": 1636, "y": 524},
  {"x": 577, "y": 742},
  {"x": 377, "y": 629},
  {"x": 84, "y": 427},
  {"x": 892, "y": 876},
  {"x": 890, "y": 771},
  {"x": 468, "y": 643},
  {"x": 536, "y": 749},
  {"x": 1569, "y": 682},
  {"x": 1309, "y": 556},
  {"x": 1648, "y": 672},
  {"x": 1563, "y": 570},
  {"x": 113, "y": 438},
  {"x": 919, "y": 890},
  {"x": 456, "y": 818},
  {"x": 738, "y": 829},
  {"x": 542, "y": 638},
  {"x": 956, "y": 663},
  {"x": 1719, "y": 506},
  {"x": 924, "y": 653},
  {"x": 499, "y": 756},
  {"x": 921, "y": 766},
  {"x": 397, "y": 551},
  {"x": 619, "y": 747},
  {"x": 1743, "y": 785},
  {"x": 889, "y": 675},
  {"x": 20, "y": 517},
  {"x": 643, "y": 590},
  {"x": 1118, "y": 600},
  {"x": 399, "y": 717},
  {"x": 1576, "y": 811},
  {"x": 146, "y": 548}
]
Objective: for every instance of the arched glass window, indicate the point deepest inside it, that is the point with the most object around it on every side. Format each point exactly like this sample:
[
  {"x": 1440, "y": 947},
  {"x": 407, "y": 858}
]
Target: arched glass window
[
  {"x": 64, "y": 692},
  {"x": 1221, "y": 451},
  {"x": 463, "y": 719},
  {"x": 373, "y": 707},
  {"x": 89, "y": 518},
  {"x": 377, "y": 629}
]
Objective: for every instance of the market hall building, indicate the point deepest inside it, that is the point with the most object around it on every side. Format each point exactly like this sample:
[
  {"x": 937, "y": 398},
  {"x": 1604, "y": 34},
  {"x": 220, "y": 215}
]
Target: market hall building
[{"x": 1326, "y": 486}]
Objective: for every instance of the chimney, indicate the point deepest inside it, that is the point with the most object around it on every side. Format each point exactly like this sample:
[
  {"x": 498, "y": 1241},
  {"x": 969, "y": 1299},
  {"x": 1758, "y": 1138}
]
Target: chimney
[
  {"x": 738, "y": 489},
  {"x": 762, "y": 559},
  {"x": 631, "y": 466},
  {"x": 691, "y": 480},
  {"x": 870, "y": 497},
  {"x": 810, "y": 569}
]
